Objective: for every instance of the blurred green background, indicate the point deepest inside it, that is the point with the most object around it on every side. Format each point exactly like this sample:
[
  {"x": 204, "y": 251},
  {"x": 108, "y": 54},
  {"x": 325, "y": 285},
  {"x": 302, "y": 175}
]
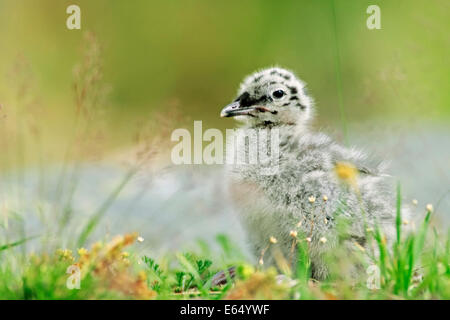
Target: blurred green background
[{"x": 193, "y": 54}]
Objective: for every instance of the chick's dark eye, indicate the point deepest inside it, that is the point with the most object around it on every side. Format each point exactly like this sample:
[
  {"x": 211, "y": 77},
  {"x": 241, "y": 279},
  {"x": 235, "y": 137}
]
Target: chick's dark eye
[{"x": 278, "y": 94}]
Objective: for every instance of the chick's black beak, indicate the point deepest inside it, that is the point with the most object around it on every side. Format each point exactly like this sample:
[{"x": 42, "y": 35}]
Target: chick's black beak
[
  {"x": 229, "y": 109},
  {"x": 242, "y": 106},
  {"x": 236, "y": 109}
]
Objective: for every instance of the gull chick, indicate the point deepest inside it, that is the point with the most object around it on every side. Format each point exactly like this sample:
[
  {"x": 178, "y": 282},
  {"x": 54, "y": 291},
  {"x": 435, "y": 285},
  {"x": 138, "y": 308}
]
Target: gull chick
[{"x": 303, "y": 198}]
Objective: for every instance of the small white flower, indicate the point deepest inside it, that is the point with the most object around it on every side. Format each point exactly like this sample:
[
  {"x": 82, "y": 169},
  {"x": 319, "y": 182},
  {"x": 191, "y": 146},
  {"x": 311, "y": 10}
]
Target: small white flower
[
  {"x": 405, "y": 222},
  {"x": 308, "y": 239},
  {"x": 273, "y": 240},
  {"x": 293, "y": 233},
  {"x": 415, "y": 202},
  {"x": 312, "y": 199},
  {"x": 323, "y": 240},
  {"x": 430, "y": 207},
  {"x": 261, "y": 261},
  {"x": 140, "y": 239}
]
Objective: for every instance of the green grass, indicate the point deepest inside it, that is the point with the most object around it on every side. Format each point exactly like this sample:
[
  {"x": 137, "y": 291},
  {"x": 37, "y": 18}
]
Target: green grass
[{"x": 416, "y": 266}]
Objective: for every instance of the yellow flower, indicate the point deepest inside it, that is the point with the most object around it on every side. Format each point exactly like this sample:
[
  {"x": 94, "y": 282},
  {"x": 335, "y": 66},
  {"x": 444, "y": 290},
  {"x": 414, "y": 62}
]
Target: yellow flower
[
  {"x": 82, "y": 251},
  {"x": 273, "y": 240},
  {"x": 346, "y": 172},
  {"x": 325, "y": 198},
  {"x": 65, "y": 254},
  {"x": 246, "y": 271}
]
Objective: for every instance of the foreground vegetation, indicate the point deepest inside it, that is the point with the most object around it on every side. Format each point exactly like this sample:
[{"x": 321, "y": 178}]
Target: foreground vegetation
[{"x": 416, "y": 267}]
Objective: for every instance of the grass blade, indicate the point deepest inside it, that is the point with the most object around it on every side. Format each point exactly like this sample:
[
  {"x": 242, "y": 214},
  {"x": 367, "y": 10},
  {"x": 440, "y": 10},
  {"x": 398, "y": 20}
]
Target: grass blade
[
  {"x": 94, "y": 220},
  {"x": 16, "y": 243},
  {"x": 398, "y": 219}
]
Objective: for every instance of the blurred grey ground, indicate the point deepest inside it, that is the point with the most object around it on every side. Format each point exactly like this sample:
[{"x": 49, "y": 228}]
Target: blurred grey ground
[{"x": 177, "y": 206}]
